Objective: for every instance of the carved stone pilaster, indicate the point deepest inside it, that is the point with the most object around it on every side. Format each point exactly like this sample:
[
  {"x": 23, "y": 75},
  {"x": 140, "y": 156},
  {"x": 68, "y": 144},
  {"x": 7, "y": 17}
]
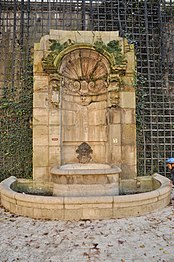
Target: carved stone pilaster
[
  {"x": 54, "y": 85},
  {"x": 113, "y": 90}
]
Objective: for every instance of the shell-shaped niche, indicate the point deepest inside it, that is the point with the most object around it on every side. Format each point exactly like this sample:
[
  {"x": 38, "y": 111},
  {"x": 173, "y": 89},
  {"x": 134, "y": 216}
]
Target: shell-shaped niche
[{"x": 84, "y": 72}]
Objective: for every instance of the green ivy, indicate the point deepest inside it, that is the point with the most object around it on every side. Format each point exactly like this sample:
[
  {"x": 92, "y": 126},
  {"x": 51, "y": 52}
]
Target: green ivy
[
  {"x": 16, "y": 134},
  {"x": 56, "y": 46},
  {"x": 141, "y": 96}
]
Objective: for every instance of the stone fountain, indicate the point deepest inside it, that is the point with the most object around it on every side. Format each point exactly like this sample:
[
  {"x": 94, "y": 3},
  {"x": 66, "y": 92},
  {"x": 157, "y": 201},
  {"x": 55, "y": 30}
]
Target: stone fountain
[
  {"x": 89, "y": 103},
  {"x": 84, "y": 132},
  {"x": 84, "y": 102}
]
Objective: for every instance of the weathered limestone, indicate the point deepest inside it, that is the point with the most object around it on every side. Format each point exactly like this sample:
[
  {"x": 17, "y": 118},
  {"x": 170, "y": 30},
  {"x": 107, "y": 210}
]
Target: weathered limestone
[
  {"x": 85, "y": 179},
  {"x": 90, "y": 207},
  {"x": 83, "y": 92}
]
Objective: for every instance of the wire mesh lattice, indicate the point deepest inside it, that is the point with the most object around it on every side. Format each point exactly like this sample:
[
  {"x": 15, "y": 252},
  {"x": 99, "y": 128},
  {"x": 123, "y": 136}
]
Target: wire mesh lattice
[{"x": 147, "y": 24}]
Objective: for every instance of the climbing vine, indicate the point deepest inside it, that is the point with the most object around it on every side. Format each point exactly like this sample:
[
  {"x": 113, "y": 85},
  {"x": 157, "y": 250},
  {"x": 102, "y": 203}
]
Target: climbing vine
[{"x": 16, "y": 134}]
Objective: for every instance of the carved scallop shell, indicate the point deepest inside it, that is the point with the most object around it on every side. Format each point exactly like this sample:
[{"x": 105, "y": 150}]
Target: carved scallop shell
[{"x": 85, "y": 72}]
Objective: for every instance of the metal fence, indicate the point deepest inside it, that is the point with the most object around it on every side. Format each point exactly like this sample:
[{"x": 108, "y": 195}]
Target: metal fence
[{"x": 147, "y": 24}]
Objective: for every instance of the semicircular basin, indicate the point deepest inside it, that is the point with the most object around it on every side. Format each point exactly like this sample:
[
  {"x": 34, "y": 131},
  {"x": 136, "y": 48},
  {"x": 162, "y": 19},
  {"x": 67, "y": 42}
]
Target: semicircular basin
[{"x": 100, "y": 207}]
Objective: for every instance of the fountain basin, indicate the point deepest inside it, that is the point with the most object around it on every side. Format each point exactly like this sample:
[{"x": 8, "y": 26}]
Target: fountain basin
[
  {"x": 86, "y": 207},
  {"x": 92, "y": 179},
  {"x": 78, "y": 166}
]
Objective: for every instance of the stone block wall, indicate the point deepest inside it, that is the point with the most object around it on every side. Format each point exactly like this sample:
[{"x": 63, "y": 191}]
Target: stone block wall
[{"x": 110, "y": 116}]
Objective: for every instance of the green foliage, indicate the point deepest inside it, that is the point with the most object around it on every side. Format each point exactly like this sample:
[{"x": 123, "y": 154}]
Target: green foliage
[
  {"x": 140, "y": 101},
  {"x": 56, "y": 46},
  {"x": 141, "y": 97},
  {"x": 113, "y": 47},
  {"x": 16, "y": 134}
]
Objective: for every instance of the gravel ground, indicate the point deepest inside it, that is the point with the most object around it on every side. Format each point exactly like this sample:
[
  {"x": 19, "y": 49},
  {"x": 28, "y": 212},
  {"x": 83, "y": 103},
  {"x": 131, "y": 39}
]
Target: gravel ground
[{"x": 147, "y": 238}]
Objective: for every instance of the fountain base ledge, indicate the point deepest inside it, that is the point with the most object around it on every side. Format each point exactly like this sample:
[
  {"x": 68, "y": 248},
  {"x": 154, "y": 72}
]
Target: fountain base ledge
[{"x": 90, "y": 207}]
